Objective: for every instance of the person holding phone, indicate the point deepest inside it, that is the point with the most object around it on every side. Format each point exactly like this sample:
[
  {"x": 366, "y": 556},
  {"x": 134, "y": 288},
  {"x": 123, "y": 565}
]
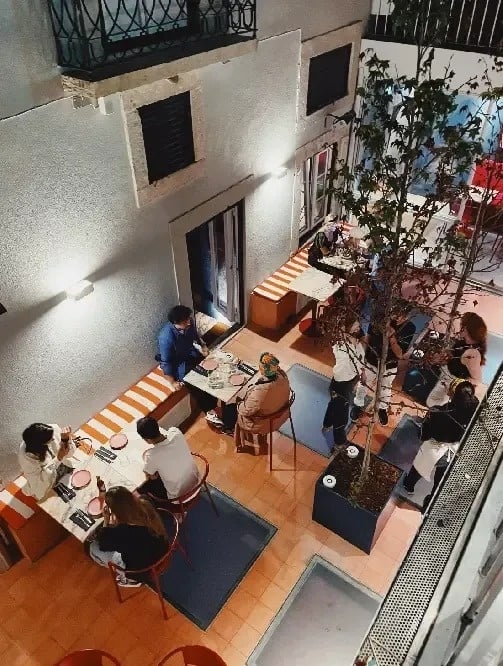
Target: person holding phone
[{"x": 42, "y": 456}]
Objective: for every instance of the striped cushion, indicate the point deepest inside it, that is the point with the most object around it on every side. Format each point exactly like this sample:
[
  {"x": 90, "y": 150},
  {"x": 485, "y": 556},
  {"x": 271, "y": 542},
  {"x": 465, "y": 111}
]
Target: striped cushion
[
  {"x": 139, "y": 400},
  {"x": 276, "y": 285}
]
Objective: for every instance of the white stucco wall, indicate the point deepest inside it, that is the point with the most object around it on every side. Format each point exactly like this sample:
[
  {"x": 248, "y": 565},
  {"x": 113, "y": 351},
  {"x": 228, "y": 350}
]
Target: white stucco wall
[{"x": 68, "y": 212}]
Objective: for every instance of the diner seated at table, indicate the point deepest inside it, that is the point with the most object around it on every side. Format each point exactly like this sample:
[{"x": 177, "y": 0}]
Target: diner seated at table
[
  {"x": 169, "y": 465},
  {"x": 43, "y": 457},
  {"x": 320, "y": 248},
  {"x": 132, "y": 536},
  {"x": 180, "y": 350},
  {"x": 267, "y": 396}
]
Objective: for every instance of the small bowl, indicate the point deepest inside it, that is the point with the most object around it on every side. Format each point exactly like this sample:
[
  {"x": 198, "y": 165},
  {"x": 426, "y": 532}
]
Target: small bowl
[
  {"x": 118, "y": 441},
  {"x": 80, "y": 479},
  {"x": 94, "y": 508}
]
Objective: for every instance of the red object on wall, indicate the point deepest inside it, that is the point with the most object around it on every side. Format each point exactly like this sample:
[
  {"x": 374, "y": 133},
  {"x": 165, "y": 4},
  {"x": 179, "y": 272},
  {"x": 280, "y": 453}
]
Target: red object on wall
[{"x": 489, "y": 173}]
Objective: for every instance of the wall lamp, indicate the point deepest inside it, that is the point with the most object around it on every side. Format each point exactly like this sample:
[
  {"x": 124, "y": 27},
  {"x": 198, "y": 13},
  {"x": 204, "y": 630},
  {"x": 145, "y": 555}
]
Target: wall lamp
[
  {"x": 79, "y": 290},
  {"x": 279, "y": 172}
]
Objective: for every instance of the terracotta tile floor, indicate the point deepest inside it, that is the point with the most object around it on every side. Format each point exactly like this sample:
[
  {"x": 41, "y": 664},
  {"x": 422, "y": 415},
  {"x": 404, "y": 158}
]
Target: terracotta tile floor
[{"x": 64, "y": 602}]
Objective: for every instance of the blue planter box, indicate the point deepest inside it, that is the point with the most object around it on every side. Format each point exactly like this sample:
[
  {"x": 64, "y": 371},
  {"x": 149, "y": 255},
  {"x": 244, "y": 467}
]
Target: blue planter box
[{"x": 359, "y": 526}]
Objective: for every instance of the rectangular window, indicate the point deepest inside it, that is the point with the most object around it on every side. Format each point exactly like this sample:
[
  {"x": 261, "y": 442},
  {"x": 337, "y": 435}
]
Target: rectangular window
[
  {"x": 167, "y": 135},
  {"x": 328, "y": 78}
]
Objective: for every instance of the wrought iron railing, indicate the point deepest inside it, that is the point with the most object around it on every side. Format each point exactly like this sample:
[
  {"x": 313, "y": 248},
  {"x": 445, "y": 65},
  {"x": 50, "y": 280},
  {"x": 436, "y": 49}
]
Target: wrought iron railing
[
  {"x": 473, "y": 25},
  {"x": 93, "y": 35}
]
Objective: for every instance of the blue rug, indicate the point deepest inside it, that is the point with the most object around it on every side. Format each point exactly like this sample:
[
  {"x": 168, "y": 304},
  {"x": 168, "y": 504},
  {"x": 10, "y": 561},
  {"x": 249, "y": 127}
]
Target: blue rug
[
  {"x": 222, "y": 549},
  {"x": 401, "y": 447},
  {"x": 308, "y": 410}
]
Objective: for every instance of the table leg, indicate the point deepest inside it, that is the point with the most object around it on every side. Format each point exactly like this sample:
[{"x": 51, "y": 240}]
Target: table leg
[{"x": 309, "y": 326}]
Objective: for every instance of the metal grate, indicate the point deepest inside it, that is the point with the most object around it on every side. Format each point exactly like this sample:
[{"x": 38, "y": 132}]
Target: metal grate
[
  {"x": 403, "y": 611},
  {"x": 96, "y": 36}
]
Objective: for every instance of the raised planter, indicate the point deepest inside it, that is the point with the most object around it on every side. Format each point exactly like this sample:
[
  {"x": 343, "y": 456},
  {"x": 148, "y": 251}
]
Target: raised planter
[{"x": 360, "y": 522}]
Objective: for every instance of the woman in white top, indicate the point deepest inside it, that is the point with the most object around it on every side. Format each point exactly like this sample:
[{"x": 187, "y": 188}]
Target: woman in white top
[
  {"x": 41, "y": 453},
  {"x": 348, "y": 365}
]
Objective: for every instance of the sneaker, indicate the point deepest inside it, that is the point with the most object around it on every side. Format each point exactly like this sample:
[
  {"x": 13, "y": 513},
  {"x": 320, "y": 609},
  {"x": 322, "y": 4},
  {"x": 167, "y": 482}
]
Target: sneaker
[
  {"x": 383, "y": 416},
  {"x": 127, "y": 582},
  {"x": 211, "y": 417},
  {"x": 356, "y": 412}
]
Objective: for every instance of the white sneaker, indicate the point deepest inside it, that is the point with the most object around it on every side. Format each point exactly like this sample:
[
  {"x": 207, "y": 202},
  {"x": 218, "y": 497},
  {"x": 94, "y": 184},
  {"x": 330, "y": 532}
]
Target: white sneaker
[
  {"x": 211, "y": 417},
  {"x": 127, "y": 582}
]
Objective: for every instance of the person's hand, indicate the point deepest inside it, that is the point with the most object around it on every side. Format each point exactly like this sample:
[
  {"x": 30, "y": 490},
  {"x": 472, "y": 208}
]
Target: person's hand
[
  {"x": 177, "y": 386},
  {"x": 63, "y": 450},
  {"x": 100, "y": 484},
  {"x": 66, "y": 434},
  {"x": 205, "y": 351},
  {"x": 107, "y": 514},
  {"x": 390, "y": 331}
]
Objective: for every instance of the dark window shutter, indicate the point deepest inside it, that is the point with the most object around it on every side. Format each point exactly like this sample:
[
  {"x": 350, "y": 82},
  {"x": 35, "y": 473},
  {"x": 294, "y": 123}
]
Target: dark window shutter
[
  {"x": 328, "y": 78},
  {"x": 167, "y": 135}
]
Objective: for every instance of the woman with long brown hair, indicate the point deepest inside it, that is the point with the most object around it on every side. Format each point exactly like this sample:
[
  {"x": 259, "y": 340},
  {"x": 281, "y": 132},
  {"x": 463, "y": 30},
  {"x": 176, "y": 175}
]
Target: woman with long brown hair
[
  {"x": 464, "y": 360},
  {"x": 133, "y": 535}
]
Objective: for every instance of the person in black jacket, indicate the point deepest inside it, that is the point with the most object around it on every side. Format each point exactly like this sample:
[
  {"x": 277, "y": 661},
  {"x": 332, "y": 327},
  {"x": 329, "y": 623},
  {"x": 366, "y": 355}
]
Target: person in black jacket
[
  {"x": 320, "y": 248},
  {"x": 132, "y": 537},
  {"x": 441, "y": 433}
]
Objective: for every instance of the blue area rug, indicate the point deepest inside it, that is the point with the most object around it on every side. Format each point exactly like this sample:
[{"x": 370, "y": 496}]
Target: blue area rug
[
  {"x": 222, "y": 549},
  {"x": 401, "y": 447},
  {"x": 308, "y": 410}
]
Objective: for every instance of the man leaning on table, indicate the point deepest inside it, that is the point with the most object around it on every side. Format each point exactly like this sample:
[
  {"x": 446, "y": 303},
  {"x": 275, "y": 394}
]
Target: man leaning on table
[
  {"x": 180, "y": 349},
  {"x": 169, "y": 465}
]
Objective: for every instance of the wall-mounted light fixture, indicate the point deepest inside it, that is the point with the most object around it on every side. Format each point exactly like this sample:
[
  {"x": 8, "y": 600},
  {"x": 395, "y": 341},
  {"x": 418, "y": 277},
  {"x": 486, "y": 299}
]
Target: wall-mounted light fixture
[
  {"x": 279, "y": 172},
  {"x": 79, "y": 290}
]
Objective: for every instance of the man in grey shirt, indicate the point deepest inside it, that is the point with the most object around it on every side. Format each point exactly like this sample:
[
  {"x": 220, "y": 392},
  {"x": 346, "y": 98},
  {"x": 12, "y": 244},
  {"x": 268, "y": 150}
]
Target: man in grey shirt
[{"x": 169, "y": 465}]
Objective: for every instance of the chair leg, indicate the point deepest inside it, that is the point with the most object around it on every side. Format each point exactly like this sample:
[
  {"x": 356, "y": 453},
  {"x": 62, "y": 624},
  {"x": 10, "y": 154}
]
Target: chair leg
[
  {"x": 211, "y": 499},
  {"x": 270, "y": 448},
  {"x": 294, "y": 437},
  {"x": 183, "y": 551},
  {"x": 159, "y": 594},
  {"x": 117, "y": 588}
]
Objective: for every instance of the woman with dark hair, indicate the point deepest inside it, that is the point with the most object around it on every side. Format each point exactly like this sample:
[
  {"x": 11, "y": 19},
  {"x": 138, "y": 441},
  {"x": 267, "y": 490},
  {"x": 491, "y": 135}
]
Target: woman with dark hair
[
  {"x": 441, "y": 433},
  {"x": 41, "y": 455},
  {"x": 132, "y": 537},
  {"x": 465, "y": 358}
]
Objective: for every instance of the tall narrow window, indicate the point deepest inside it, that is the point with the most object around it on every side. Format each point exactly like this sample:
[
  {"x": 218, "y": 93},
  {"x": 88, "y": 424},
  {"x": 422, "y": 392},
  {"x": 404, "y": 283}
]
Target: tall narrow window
[
  {"x": 167, "y": 135},
  {"x": 328, "y": 78}
]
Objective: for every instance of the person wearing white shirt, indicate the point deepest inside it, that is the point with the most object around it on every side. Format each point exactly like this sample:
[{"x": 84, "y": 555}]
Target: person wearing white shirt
[
  {"x": 169, "y": 465},
  {"x": 348, "y": 365},
  {"x": 41, "y": 455}
]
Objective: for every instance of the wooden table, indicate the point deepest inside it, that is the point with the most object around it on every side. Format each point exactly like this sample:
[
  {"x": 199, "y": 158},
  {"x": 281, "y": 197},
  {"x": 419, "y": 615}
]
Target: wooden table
[
  {"x": 228, "y": 392},
  {"x": 316, "y": 285}
]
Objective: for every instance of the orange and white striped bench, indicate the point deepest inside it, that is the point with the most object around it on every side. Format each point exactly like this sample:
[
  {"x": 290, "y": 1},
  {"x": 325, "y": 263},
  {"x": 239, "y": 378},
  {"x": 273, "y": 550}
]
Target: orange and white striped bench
[
  {"x": 151, "y": 395},
  {"x": 272, "y": 302}
]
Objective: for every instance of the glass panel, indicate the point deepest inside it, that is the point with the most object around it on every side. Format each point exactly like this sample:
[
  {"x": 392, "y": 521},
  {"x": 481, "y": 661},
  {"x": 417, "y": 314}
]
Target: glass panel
[
  {"x": 320, "y": 188},
  {"x": 322, "y": 162},
  {"x": 221, "y": 270}
]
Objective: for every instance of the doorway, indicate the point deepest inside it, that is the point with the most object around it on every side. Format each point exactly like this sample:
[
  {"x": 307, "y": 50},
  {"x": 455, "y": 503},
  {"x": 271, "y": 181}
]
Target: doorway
[{"x": 215, "y": 263}]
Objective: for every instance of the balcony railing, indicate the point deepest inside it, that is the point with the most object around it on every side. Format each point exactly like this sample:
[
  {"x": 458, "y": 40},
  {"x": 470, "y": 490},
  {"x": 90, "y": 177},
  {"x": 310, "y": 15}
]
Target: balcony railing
[
  {"x": 473, "y": 25},
  {"x": 98, "y": 38}
]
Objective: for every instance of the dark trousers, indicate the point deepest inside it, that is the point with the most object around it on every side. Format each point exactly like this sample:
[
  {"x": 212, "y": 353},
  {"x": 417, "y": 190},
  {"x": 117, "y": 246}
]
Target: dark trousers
[
  {"x": 337, "y": 412},
  {"x": 413, "y": 477},
  {"x": 153, "y": 487}
]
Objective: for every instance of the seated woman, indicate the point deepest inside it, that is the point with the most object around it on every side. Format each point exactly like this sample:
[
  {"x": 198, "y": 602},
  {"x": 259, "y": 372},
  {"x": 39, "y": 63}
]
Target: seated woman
[
  {"x": 267, "y": 396},
  {"x": 320, "y": 248},
  {"x": 441, "y": 433},
  {"x": 41, "y": 455},
  {"x": 132, "y": 537},
  {"x": 465, "y": 358}
]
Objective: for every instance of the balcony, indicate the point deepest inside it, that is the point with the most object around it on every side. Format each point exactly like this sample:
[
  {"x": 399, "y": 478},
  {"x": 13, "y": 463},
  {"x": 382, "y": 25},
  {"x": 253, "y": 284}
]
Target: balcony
[
  {"x": 473, "y": 25},
  {"x": 98, "y": 39}
]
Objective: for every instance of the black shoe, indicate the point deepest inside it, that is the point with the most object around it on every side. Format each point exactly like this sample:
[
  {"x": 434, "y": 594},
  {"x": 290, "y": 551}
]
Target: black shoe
[
  {"x": 356, "y": 412},
  {"x": 383, "y": 416}
]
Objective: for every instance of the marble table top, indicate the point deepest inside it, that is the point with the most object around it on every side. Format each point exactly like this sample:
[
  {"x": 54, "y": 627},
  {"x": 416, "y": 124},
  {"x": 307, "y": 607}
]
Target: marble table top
[
  {"x": 315, "y": 284},
  {"x": 228, "y": 392},
  {"x": 126, "y": 470}
]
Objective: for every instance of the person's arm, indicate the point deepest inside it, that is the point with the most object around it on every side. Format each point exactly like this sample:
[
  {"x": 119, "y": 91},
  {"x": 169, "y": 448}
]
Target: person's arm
[
  {"x": 168, "y": 357},
  {"x": 393, "y": 343},
  {"x": 471, "y": 359},
  {"x": 40, "y": 476},
  {"x": 149, "y": 468}
]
